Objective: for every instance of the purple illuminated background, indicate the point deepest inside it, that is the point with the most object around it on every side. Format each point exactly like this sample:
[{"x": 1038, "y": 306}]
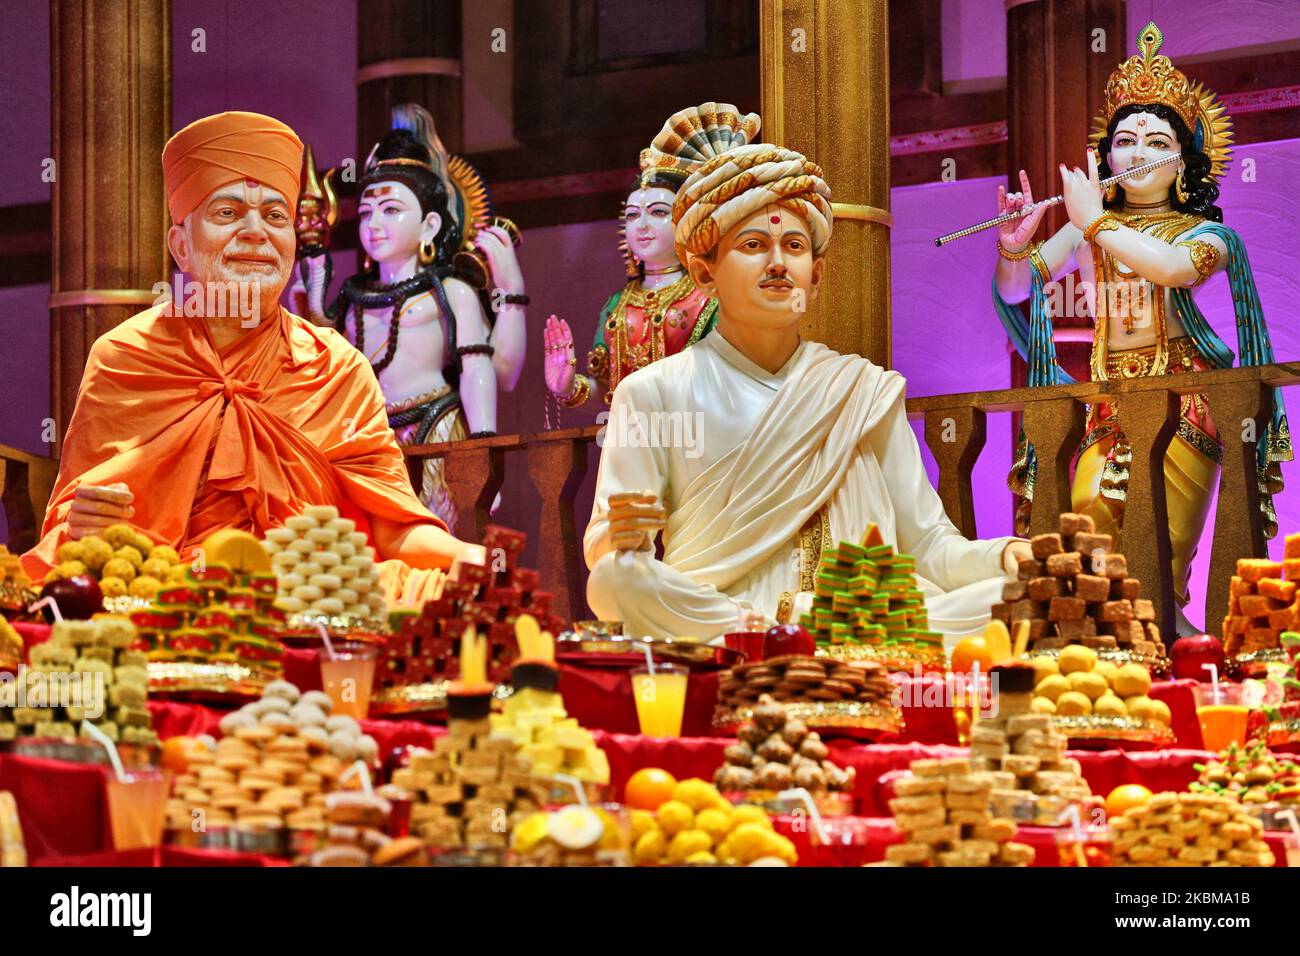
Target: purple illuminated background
[{"x": 299, "y": 62}]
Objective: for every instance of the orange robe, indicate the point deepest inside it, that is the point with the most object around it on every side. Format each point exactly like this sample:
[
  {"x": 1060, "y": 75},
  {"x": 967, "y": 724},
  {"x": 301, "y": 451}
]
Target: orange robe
[{"x": 288, "y": 415}]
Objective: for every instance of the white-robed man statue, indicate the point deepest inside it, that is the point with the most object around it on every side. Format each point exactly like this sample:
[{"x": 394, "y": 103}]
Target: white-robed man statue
[{"x": 791, "y": 447}]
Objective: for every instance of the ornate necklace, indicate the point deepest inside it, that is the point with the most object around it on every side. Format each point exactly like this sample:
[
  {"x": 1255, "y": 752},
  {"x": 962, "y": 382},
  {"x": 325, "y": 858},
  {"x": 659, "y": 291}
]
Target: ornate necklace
[
  {"x": 655, "y": 304},
  {"x": 358, "y": 295}
]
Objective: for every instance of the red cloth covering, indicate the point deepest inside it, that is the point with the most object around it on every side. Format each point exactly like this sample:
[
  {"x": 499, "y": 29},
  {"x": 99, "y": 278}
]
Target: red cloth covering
[{"x": 166, "y": 856}]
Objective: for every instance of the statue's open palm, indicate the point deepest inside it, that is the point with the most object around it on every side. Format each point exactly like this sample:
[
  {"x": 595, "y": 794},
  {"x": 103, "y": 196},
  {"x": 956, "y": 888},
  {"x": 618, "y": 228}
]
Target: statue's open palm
[{"x": 560, "y": 361}]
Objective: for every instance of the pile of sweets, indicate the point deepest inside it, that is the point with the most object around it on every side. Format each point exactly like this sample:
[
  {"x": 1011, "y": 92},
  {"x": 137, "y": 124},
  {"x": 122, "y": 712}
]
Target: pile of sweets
[
  {"x": 943, "y": 812},
  {"x": 796, "y": 678},
  {"x": 1261, "y": 603},
  {"x": 697, "y": 826},
  {"x": 283, "y": 704},
  {"x": 218, "y": 612},
  {"x": 426, "y": 646},
  {"x": 11, "y": 569},
  {"x": 775, "y": 752},
  {"x": 356, "y": 835},
  {"x": 1075, "y": 590},
  {"x": 1189, "y": 829},
  {"x": 1019, "y": 752},
  {"x": 865, "y": 594},
  {"x": 13, "y": 851},
  {"x": 123, "y": 560},
  {"x": 324, "y": 565},
  {"x": 1252, "y": 774},
  {"x": 1077, "y": 684},
  {"x": 269, "y": 774},
  {"x": 472, "y": 788},
  {"x": 103, "y": 646},
  {"x": 570, "y": 836},
  {"x": 534, "y": 719}
]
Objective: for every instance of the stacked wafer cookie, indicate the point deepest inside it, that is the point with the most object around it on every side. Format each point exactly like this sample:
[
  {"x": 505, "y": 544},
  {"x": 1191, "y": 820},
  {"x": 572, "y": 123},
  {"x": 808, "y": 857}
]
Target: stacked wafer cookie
[
  {"x": 324, "y": 565},
  {"x": 1189, "y": 829},
  {"x": 943, "y": 813},
  {"x": 1263, "y": 602},
  {"x": 795, "y": 678},
  {"x": 1076, "y": 590}
]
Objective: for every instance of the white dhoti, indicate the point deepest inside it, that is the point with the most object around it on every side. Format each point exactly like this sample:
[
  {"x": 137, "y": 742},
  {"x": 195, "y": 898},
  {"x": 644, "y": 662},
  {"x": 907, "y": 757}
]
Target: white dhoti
[{"x": 759, "y": 472}]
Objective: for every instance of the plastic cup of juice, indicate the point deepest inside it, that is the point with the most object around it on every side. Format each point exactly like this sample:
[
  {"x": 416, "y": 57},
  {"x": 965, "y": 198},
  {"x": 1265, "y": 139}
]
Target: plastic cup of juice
[
  {"x": 349, "y": 676},
  {"x": 137, "y": 808},
  {"x": 1222, "y": 713},
  {"x": 660, "y": 699},
  {"x": 1087, "y": 847}
]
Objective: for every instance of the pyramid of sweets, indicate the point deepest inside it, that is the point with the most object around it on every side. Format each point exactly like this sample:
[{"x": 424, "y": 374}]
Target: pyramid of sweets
[
  {"x": 1252, "y": 775},
  {"x": 124, "y": 561},
  {"x": 1076, "y": 590},
  {"x": 812, "y": 685},
  {"x": 1021, "y": 754},
  {"x": 534, "y": 719},
  {"x": 472, "y": 788},
  {"x": 1189, "y": 829},
  {"x": 775, "y": 752},
  {"x": 866, "y": 604},
  {"x": 423, "y": 652},
  {"x": 283, "y": 704},
  {"x": 356, "y": 834},
  {"x": 943, "y": 813},
  {"x": 13, "y": 851},
  {"x": 324, "y": 566},
  {"x": 102, "y": 649},
  {"x": 1262, "y": 603}
]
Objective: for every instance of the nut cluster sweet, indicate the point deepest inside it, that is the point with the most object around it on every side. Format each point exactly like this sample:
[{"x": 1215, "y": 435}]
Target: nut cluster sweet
[
  {"x": 1076, "y": 590},
  {"x": 1189, "y": 829},
  {"x": 324, "y": 565},
  {"x": 776, "y": 752}
]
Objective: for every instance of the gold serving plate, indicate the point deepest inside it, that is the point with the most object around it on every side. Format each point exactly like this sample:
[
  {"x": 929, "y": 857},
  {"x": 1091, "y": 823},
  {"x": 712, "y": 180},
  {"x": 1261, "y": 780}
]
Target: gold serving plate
[
  {"x": 1255, "y": 664},
  {"x": 428, "y": 698},
  {"x": 591, "y": 639},
  {"x": 221, "y": 679},
  {"x": 839, "y": 716},
  {"x": 1096, "y": 728},
  {"x": 907, "y": 660}
]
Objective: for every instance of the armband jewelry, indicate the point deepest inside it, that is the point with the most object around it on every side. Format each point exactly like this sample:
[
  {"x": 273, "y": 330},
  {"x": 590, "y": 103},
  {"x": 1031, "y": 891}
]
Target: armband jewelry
[
  {"x": 1100, "y": 224},
  {"x": 515, "y": 298},
  {"x": 1024, "y": 253},
  {"x": 1040, "y": 265},
  {"x": 578, "y": 394},
  {"x": 1204, "y": 257},
  {"x": 475, "y": 350}
]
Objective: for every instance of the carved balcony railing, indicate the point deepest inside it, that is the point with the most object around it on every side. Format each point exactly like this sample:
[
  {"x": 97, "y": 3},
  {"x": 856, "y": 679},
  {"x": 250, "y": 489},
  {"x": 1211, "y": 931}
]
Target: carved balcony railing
[{"x": 560, "y": 465}]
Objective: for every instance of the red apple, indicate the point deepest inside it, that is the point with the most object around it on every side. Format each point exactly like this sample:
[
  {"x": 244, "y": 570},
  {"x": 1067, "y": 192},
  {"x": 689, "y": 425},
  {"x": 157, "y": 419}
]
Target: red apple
[
  {"x": 1190, "y": 654},
  {"x": 78, "y": 597},
  {"x": 788, "y": 639}
]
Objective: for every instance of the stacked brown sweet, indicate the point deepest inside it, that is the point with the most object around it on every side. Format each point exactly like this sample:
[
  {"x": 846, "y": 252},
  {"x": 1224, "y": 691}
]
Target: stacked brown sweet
[
  {"x": 1261, "y": 605},
  {"x": 943, "y": 812},
  {"x": 794, "y": 679},
  {"x": 357, "y": 837},
  {"x": 1189, "y": 829},
  {"x": 1076, "y": 590}
]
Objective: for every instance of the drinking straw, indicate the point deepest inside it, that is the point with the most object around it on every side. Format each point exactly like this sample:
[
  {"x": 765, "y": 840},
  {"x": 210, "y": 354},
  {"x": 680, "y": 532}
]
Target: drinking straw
[
  {"x": 361, "y": 768},
  {"x": 325, "y": 636},
  {"x": 577, "y": 786},
  {"x": 52, "y": 604},
  {"x": 649, "y": 657},
  {"x": 1072, "y": 813},
  {"x": 803, "y": 796},
  {"x": 113, "y": 757},
  {"x": 1214, "y": 679}
]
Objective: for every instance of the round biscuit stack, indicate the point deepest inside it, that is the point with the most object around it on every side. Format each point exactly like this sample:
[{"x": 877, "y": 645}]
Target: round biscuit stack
[{"x": 324, "y": 565}]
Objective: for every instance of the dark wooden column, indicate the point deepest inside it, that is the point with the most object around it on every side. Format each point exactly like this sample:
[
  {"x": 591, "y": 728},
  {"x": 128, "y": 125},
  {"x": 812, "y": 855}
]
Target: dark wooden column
[
  {"x": 111, "y": 76},
  {"x": 408, "y": 51}
]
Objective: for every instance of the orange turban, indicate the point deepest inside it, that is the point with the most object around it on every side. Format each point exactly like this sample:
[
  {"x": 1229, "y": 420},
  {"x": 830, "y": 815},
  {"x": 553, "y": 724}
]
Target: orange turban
[{"x": 227, "y": 147}]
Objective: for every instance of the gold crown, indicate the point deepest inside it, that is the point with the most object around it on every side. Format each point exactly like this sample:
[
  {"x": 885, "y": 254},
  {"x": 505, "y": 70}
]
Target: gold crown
[{"x": 1149, "y": 77}]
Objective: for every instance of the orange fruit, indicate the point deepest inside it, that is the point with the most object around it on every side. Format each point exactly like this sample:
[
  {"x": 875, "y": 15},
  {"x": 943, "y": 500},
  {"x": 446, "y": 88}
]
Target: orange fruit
[
  {"x": 1124, "y": 796},
  {"x": 968, "y": 651},
  {"x": 649, "y": 787},
  {"x": 176, "y": 753}
]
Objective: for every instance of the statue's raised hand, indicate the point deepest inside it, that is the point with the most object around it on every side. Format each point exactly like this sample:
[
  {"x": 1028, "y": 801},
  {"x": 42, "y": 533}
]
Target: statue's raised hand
[
  {"x": 95, "y": 507},
  {"x": 1015, "y": 235},
  {"x": 633, "y": 517},
  {"x": 494, "y": 242},
  {"x": 560, "y": 360}
]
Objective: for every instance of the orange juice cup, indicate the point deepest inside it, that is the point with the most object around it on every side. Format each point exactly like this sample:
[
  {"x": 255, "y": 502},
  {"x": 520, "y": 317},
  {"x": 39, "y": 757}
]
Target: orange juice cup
[
  {"x": 1222, "y": 715},
  {"x": 136, "y": 808},
  {"x": 349, "y": 676},
  {"x": 660, "y": 699}
]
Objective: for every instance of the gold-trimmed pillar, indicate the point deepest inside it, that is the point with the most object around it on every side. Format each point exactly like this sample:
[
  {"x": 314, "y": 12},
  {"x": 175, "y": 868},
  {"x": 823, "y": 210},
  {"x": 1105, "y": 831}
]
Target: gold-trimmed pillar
[
  {"x": 408, "y": 51},
  {"x": 825, "y": 93},
  {"x": 111, "y": 79}
]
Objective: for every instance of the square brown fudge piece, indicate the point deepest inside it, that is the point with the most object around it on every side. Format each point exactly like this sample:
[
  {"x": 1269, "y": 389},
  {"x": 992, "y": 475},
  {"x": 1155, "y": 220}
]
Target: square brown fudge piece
[
  {"x": 1026, "y": 610},
  {"x": 1046, "y": 545},
  {"x": 1065, "y": 565},
  {"x": 1092, "y": 588},
  {"x": 1126, "y": 632},
  {"x": 1090, "y": 543},
  {"x": 1130, "y": 589},
  {"x": 1072, "y": 524},
  {"x": 1044, "y": 589},
  {"x": 1067, "y": 609},
  {"x": 1014, "y": 591},
  {"x": 1112, "y": 566},
  {"x": 1001, "y": 612},
  {"x": 1074, "y": 631},
  {"x": 1029, "y": 568},
  {"x": 1112, "y": 612},
  {"x": 1144, "y": 610}
]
